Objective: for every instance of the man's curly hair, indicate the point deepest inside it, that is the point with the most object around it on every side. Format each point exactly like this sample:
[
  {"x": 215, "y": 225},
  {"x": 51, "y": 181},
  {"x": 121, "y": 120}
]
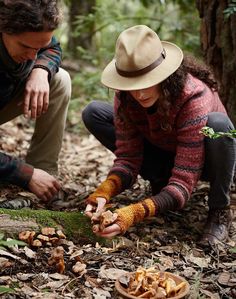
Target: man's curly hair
[{"x": 18, "y": 16}]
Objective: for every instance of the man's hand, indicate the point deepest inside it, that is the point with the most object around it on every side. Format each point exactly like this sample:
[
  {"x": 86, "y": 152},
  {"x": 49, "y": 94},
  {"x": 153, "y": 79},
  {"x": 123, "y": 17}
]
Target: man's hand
[
  {"x": 36, "y": 99},
  {"x": 93, "y": 211},
  {"x": 43, "y": 185}
]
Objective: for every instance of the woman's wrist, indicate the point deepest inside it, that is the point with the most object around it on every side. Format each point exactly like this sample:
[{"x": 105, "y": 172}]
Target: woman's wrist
[
  {"x": 128, "y": 216},
  {"x": 109, "y": 188}
]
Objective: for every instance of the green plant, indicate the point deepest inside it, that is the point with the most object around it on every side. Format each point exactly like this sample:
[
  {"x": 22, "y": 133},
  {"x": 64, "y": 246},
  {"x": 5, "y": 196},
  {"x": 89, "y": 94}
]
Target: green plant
[
  {"x": 232, "y": 250},
  {"x": 9, "y": 243},
  {"x": 4, "y": 290},
  {"x": 173, "y": 20},
  {"x": 231, "y": 9},
  {"x": 209, "y": 132},
  {"x": 196, "y": 287}
]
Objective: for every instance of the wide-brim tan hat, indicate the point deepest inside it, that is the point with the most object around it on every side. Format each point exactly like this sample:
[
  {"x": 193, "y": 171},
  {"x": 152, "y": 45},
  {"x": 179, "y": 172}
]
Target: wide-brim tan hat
[{"x": 141, "y": 60}]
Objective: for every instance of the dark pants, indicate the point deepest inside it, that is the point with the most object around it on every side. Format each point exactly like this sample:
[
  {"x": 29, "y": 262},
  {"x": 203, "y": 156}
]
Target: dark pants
[{"x": 220, "y": 154}]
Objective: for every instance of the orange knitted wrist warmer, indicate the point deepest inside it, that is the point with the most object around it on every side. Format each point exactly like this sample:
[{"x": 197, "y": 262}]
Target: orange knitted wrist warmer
[
  {"x": 134, "y": 213},
  {"x": 110, "y": 187}
]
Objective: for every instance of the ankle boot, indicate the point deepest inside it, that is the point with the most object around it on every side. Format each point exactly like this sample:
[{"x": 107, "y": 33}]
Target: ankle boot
[{"x": 217, "y": 226}]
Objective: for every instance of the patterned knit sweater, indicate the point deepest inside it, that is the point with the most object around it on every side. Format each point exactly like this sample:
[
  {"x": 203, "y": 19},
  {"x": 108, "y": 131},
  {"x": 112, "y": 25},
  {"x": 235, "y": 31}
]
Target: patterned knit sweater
[{"x": 187, "y": 116}]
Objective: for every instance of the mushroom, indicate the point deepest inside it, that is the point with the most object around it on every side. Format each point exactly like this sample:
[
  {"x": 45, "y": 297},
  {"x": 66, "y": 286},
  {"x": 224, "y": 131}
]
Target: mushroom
[
  {"x": 37, "y": 243},
  {"x": 48, "y": 231},
  {"x": 43, "y": 238},
  {"x": 57, "y": 259},
  {"x": 79, "y": 268},
  {"x": 27, "y": 236},
  {"x": 61, "y": 234},
  {"x": 102, "y": 220}
]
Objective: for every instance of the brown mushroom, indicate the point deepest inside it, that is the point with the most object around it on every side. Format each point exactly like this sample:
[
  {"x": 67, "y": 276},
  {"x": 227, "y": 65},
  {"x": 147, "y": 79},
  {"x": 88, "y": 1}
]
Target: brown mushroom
[
  {"x": 57, "y": 259},
  {"x": 43, "y": 238},
  {"x": 60, "y": 234},
  {"x": 107, "y": 218},
  {"x": 79, "y": 268},
  {"x": 37, "y": 243},
  {"x": 27, "y": 236},
  {"x": 48, "y": 231}
]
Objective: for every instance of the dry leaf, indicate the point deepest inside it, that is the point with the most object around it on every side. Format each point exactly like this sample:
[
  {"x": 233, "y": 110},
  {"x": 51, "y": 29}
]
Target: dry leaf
[
  {"x": 224, "y": 278},
  {"x": 29, "y": 253}
]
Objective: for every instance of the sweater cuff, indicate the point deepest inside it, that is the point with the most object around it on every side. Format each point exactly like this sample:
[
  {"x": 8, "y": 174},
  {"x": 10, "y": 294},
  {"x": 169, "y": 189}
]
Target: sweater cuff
[
  {"x": 135, "y": 213},
  {"x": 109, "y": 188},
  {"x": 165, "y": 202},
  {"x": 23, "y": 175}
]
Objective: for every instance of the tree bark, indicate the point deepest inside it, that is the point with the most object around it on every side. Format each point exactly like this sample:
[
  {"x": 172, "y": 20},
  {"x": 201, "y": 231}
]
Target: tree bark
[
  {"x": 83, "y": 39},
  {"x": 218, "y": 41}
]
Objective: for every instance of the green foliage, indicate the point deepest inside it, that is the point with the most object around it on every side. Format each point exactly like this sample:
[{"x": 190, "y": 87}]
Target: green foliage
[
  {"x": 175, "y": 21},
  {"x": 209, "y": 132},
  {"x": 231, "y": 9},
  {"x": 89, "y": 84},
  {"x": 232, "y": 250},
  {"x": 172, "y": 21},
  {"x": 9, "y": 243},
  {"x": 4, "y": 290}
]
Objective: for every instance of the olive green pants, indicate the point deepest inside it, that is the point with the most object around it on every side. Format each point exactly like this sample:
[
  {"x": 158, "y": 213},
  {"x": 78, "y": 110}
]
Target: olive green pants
[{"x": 46, "y": 141}]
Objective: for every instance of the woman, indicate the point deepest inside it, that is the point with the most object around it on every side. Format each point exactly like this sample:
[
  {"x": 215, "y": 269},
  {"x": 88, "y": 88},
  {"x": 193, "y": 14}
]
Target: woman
[{"x": 161, "y": 103}]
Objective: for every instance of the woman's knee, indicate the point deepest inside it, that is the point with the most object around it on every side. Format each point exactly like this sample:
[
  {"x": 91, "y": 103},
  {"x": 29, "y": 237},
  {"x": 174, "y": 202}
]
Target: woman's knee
[
  {"x": 219, "y": 122},
  {"x": 89, "y": 114}
]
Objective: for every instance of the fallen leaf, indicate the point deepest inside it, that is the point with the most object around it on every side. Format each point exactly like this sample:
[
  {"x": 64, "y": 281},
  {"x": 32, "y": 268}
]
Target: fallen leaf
[
  {"x": 200, "y": 262},
  {"x": 111, "y": 273},
  {"x": 224, "y": 278}
]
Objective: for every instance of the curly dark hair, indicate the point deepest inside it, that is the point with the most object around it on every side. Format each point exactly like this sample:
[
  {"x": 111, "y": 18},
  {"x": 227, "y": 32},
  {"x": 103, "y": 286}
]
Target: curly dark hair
[
  {"x": 173, "y": 86},
  {"x": 18, "y": 16}
]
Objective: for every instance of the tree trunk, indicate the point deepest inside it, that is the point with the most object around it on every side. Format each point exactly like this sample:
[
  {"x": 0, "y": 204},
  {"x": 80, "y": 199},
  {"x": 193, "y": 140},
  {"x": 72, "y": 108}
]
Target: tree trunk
[
  {"x": 83, "y": 39},
  {"x": 75, "y": 225},
  {"x": 218, "y": 41}
]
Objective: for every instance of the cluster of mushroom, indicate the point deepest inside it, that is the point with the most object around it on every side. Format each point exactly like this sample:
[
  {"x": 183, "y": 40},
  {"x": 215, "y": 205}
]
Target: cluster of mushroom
[
  {"x": 51, "y": 237},
  {"x": 149, "y": 283},
  {"x": 48, "y": 236}
]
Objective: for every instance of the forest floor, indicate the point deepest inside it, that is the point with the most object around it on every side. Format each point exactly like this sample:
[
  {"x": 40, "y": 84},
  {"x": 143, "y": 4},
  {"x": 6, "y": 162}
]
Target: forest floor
[{"x": 168, "y": 242}]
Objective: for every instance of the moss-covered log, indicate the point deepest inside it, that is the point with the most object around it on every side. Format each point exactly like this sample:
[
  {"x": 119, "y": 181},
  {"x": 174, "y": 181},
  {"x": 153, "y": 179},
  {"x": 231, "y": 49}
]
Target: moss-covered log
[{"x": 75, "y": 225}]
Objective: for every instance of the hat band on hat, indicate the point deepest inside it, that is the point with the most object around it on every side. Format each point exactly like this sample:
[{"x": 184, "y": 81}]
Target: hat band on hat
[{"x": 145, "y": 70}]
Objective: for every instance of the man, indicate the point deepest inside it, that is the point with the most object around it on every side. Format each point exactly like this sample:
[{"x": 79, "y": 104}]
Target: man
[{"x": 32, "y": 83}]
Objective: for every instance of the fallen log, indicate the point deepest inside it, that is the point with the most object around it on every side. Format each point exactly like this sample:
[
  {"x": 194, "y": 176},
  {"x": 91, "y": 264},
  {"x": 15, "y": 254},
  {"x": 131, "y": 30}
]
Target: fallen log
[{"x": 75, "y": 225}]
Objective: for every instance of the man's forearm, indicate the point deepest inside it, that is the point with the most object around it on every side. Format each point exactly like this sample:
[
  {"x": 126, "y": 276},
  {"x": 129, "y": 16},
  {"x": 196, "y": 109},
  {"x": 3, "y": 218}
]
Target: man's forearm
[{"x": 14, "y": 171}]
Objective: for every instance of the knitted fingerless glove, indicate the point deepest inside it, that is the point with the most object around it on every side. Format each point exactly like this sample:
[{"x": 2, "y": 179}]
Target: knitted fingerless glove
[
  {"x": 134, "y": 213},
  {"x": 110, "y": 187}
]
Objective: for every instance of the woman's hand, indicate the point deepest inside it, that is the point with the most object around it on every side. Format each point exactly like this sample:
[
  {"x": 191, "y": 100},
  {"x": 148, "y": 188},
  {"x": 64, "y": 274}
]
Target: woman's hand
[
  {"x": 94, "y": 211},
  {"x": 109, "y": 231}
]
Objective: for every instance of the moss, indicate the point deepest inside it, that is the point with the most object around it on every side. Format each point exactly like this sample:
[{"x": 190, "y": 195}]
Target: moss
[{"x": 75, "y": 225}]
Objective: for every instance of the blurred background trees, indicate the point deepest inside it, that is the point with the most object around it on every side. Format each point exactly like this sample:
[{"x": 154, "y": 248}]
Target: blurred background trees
[
  {"x": 218, "y": 42},
  {"x": 206, "y": 29}
]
